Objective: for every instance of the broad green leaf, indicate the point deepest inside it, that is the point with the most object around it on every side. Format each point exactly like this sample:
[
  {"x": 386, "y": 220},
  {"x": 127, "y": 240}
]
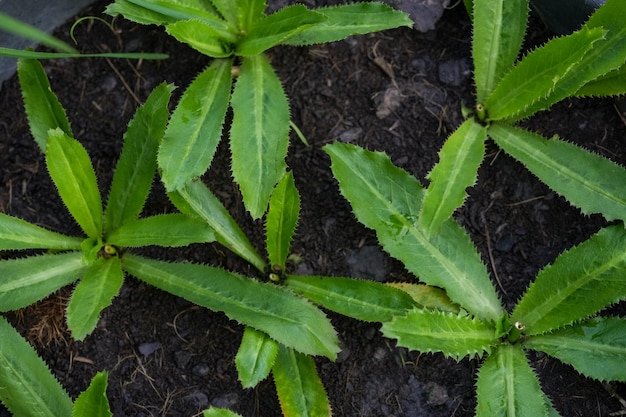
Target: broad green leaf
[
  {"x": 75, "y": 179},
  {"x": 299, "y": 388},
  {"x": 507, "y": 386},
  {"x": 255, "y": 357},
  {"x": 28, "y": 387},
  {"x": 596, "y": 347},
  {"x": 610, "y": 84},
  {"x": 228, "y": 9},
  {"x": 281, "y": 221},
  {"x": 277, "y": 28},
  {"x": 428, "y": 297},
  {"x": 93, "y": 293},
  {"x": 275, "y": 310},
  {"x": 135, "y": 169},
  {"x": 360, "y": 299},
  {"x": 195, "y": 128},
  {"x": 219, "y": 412},
  {"x": 580, "y": 282},
  {"x": 249, "y": 12},
  {"x": 588, "y": 181},
  {"x": 456, "y": 170},
  {"x": 196, "y": 200},
  {"x": 386, "y": 199},
  {"x": 499, "y": 28},
  {"x": 455, "y": 335},
  {"x": 137, "y": 13},
  {"x": 351, "y": 19},
  {"x": 19, "y": 234},
  {"x": 168, "y": 230},
  {"x": 93, "y": 401},
  {"x": 259, "y": 135},
  {"x": 606, "y": 55},
  {"x": 43, "y": 109},
  {"x": 21, "y": 29},
  {"x": 28, "y": 280},
  {"x": 200, "y": 36},
  {"x": 539, "y": 74}
]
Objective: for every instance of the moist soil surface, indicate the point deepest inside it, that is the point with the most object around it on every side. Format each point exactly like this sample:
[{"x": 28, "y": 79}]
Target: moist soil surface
[{"x": 400, "y": 92}]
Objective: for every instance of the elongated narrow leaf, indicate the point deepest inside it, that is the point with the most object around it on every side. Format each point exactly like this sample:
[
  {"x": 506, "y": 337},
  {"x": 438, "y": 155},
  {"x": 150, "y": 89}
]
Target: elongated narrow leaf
[
  {"x": 228, "y": 10},
  {"x": 387, "y": 199},
  {"x": 299, "y": 388},
  {"x": 259, "y": 135},
  {"x": 611, "y": 84},
  {"x": 540, "y": 73},
  {"x": 507, "y": 386},
  {"x": 588, "y": 181},
  {"x": 201, "y": 37},
  {"x": 456, "y": 170},
  {"x": 195, "y": 199},
  {"x": 454, "y": 335},
  {"x": 75, "y": 179},
  {"x": 195, "y": 128},
  {"x": 28, "y": 386},
  {"x": 93, "y": 401},
  {"x": 351, "y": 19},
  {"x": 219, "y": 412},
  {"x": 27, "y": 280},
  {"x": 276, "y": 28},
  {"x": 43, "y": 109},
  {"x": 581, "y": 282},
  {"x": 499, "y": 28},
  {"x": 255, "y": 357},
  {"x": 363, "y": 300},
  {"x": 168, "y": 230},
  {"x": 269, "y": 308},
  {"x": 21, "y": 29},
  {"x": 19, "y": 234},
  {"x": 427, "y": 297},
  {"x": 596, "y": 347},
  {"x": 92, "y": 294},
  {"x": 249, "y": 12},
  {"x": 281, "y": 221},
  {"x": 26, "y": 54},
  {"x": 136, "y": 167}
]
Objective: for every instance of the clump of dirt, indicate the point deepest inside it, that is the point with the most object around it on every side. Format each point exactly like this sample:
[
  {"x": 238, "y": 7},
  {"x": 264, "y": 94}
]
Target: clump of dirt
[{"x": 399, "y": 91}]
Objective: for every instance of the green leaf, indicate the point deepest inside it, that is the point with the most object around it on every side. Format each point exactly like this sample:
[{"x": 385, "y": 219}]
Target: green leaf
[
  {"x": 457, "y": 169},
  {"x": 255, "y": 357},
  {"x": 135, "y": 169},
  {"x": 351, "y": 19},
  {"x": 74, "y": 176},
  {"x": 167, "y": 230},
  {"x": 507, "y": 386},
  {"x": 588, "y": 181},
  {"x": 386, "y": 199},
  {"x": 195, "y": 128},
  {"x": 27, "y": 280},
  {"x": 19, "y": 234},
  {"x": 499, "y": 28},
  {"x": 299, "y": 388},
  {"x": 249, "y": 12},
  {"x": 28, "y": 387},
  {"x": 540, "y": 73},
  {"x": 21, "y": 29},
  {"x": 259, "y": 135},
  {"x": 228, "y": 9},
  {"x": 281, "y": 221},
  {"x": 200, "y": 36},
  {"x": 610, "y": 84},
  {"x": 286, "y": 318},
  {"x": 455, "y": 335},
  {"x": 93, "y": 293},
  {"x": 427, "y": 297},
  {"x": 219, "y": 412},
  {"x": 93, "y": 401},
  {"x": 360, "y": 299},
  {"x": 196, "y": 200},
  {"x": 596, "y": 347},
  {"x": 277, "y": 28},
  {"x": 32, "y": 55},
  {"x": 43, "y": 109},
  {"x": 580, "y": 282}
]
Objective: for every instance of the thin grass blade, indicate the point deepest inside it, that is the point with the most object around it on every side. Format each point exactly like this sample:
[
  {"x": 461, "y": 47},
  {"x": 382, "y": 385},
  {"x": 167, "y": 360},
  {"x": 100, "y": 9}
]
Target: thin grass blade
[{"x": 21, "y": 29}]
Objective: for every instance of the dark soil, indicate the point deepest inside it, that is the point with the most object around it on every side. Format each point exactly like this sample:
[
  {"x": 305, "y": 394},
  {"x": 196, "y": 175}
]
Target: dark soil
[{"x": 166, "y": 357}]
